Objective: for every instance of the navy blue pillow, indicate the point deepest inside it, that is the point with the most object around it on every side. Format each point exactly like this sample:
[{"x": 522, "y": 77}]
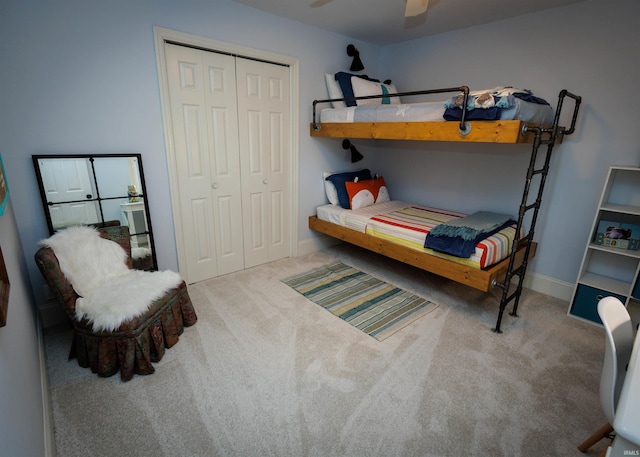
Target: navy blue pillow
[
  {"x": 344, "y": 80},
  {"x": 339, "y": 179}
]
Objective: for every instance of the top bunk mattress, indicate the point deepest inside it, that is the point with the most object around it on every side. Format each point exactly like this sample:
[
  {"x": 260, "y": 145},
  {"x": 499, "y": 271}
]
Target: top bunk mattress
[
  {"x": 433, "y": 112},
  {"x": 408, "y": 225}
]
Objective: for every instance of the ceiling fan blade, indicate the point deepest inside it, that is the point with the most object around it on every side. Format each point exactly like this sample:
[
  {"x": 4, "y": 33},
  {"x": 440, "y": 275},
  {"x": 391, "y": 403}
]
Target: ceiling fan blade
[
  {"x": 416, "y": 7},
  {"x": 319, "y": 3}
]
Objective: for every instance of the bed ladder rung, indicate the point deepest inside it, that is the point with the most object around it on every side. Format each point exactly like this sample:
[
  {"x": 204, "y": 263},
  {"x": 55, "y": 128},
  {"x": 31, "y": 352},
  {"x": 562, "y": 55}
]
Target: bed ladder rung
[
  {"x": 512, "y": 296},
  {"x": 528, "y": 238}
]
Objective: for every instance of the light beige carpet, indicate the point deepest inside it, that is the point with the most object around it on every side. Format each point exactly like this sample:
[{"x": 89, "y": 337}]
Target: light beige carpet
[{"x": 266, "y": 372}]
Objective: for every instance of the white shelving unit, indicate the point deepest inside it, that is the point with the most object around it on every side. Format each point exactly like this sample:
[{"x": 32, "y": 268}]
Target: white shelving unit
[
  {"x": 133, "y": 215},
  {"x": 611, "y": 266}
]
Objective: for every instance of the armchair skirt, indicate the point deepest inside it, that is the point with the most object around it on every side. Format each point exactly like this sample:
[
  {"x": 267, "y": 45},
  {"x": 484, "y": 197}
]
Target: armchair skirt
[{"x": 135, "y": 344}]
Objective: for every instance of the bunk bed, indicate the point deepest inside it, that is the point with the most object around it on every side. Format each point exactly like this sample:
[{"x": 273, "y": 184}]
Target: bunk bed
[{"x": 371, "y": 123}]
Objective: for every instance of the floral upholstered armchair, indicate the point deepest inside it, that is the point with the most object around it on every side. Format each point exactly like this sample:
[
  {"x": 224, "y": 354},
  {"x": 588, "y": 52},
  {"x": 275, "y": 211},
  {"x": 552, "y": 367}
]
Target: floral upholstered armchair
[{"x": 123, "y": 319}]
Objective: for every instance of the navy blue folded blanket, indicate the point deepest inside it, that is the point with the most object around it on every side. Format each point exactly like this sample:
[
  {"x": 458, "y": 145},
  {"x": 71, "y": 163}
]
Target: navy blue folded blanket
[{"x": 459, "y": 237}]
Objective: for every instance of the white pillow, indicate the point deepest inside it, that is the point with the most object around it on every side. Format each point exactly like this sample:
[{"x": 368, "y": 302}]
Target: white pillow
[
  {"x": 330, "y": 188},
  {"x": 333, "y": 88},
  {"x": 364, "y": 88}
]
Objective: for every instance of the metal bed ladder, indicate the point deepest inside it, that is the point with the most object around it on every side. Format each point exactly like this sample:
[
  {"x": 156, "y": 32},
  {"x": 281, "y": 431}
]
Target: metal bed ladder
[{"x": 544, "y": 136}]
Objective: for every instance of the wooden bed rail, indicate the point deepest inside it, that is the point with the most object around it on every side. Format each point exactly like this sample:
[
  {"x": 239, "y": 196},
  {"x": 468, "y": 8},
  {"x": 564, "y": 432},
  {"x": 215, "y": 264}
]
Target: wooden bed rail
[
  {"x": 503, "y": 131},
  {"x": 483, "y": 280}
]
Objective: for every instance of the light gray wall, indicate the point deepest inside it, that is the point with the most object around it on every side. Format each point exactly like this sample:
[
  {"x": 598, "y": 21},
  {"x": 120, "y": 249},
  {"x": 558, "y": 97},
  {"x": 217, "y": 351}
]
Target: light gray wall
[
  {"x": 81, "y": 77},
  {"x": 93, "y": 88},
  {"x": 21, "y": 410},
  {"x": 590, "y": 49}
]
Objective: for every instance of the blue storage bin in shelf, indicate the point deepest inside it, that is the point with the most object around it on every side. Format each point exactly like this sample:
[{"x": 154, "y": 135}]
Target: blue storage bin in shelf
[
  {"x": 636, "y": 290},
  {"x": 585, "y": 302}
]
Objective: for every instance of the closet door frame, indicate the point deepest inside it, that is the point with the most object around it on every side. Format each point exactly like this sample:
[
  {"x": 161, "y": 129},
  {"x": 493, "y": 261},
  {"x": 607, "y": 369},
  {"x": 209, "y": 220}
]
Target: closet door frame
[{"x": 162, "y": 35}]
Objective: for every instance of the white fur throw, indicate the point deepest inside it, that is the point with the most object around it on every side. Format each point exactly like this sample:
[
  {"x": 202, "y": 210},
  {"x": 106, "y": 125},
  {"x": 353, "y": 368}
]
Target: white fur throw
[{"x": 110, "y": 293}]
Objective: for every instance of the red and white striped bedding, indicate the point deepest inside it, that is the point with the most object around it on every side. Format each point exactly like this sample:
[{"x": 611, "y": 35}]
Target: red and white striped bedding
[{"x": 408, "y": 225}]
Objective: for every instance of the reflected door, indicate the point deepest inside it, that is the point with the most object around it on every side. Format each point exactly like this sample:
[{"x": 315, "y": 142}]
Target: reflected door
[{"x": 68, "y": 181}]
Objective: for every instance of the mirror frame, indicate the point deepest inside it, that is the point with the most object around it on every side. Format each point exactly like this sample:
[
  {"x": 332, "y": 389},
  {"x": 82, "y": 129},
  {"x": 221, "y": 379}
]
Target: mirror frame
[{"x": 97, "y": 198}]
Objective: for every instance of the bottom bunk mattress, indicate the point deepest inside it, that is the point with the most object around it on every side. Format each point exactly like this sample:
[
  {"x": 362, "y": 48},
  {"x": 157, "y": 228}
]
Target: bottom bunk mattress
[{"x": 408, "y": 225}]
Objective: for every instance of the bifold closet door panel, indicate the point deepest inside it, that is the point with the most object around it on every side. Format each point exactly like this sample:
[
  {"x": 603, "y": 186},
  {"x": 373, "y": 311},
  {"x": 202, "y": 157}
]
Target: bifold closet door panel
[
  {"x": 202, "y": 88},
  {"x": 263, "y": 122}
]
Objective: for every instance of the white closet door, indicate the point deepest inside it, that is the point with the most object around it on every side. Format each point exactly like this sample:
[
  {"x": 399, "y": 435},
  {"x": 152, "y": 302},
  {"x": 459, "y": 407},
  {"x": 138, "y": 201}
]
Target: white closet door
[
  {"x": 263, "y": 119},
  {"x": 202, "y": 88}
]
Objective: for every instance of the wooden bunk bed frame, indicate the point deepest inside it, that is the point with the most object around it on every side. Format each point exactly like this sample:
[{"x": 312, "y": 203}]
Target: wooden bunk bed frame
[{"x": 502, "y": 131}]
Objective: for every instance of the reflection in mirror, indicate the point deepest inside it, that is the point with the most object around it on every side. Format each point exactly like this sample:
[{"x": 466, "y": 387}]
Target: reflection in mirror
[
  {"x": 116, "y": 175},
  {"x": 99, "y": 189}
]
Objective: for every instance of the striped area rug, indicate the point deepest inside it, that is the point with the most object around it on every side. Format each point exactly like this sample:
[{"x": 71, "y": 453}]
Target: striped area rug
[{"x": 377, "y": 308}]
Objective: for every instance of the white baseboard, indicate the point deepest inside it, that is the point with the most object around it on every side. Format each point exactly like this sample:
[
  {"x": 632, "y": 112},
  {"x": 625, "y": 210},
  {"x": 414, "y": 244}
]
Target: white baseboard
[
  {"x": 316, "y": 244},
  {"x": 549, "y": 286},
  {"x": 51, "y": 314},
  {"x": 47, "y": 413},
  {"x": 533, "y": 281}
]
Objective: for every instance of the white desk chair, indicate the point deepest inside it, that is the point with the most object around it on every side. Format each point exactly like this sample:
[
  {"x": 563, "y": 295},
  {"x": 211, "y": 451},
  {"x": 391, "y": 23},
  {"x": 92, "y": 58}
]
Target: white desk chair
[{"x": 619, "y": 343}]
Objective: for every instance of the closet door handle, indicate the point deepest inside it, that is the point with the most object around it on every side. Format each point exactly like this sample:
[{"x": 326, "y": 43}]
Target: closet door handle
[
  {"x": 265, "y": 181},
  {"x": 214, "y": 185}
]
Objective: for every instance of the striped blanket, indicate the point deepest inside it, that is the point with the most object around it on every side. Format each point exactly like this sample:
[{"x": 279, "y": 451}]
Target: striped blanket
[{"x": 409, "y": 227}]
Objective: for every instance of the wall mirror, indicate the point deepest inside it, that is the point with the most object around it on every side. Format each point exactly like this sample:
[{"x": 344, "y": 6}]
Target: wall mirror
[{"x": 98, "y": 189}]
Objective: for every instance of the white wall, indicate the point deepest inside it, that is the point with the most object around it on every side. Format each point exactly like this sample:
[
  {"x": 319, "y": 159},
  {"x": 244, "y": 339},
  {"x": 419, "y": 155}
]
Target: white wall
[
  {"x": 590, "y": 49},
  {"x": 21, "y": 395}
]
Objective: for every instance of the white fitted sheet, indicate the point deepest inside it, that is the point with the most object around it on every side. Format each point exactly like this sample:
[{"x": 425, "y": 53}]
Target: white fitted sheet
[
  {"x": 429, "y": 112},
  {"x": 356, "y": 219}
]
